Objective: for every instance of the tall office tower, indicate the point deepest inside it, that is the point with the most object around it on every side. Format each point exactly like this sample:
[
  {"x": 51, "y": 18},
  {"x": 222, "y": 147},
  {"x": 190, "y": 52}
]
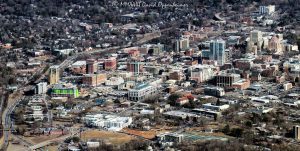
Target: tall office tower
[
  {"x": 255, "y": 36},
  {"x": 91, "y": 66},
  {"x": 182, "y": 44},
  {"x": 41, "y": 88},
  {"x": 136, "y": 67},
  {"x": 296, "y": 132},
  {"x": 217, "y": 51},
  {"x": 54, "y": 74}
]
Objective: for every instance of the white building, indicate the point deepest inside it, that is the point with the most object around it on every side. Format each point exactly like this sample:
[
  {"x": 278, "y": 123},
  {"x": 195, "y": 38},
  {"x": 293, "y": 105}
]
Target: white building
[
  {"x": 260, "y": 100},
  {"x": 37, "y": 113},
  {"x": 262, "y": 110},
  {"x": 270, "y": 9},
  {"x": 78, "y": 64},
  {"x": 210, "y": 106},
  {"x": 37, "y": 99},
  {"x": 201, "y": 73},
  {"x": 109, "y": 122},
  {"x": 141, "y": 92},
  {"x": 292, "y": 67},
  {"x": 41, "y": 88},
  {"x": 114, "y": 81},
  {"x": 255, "y": 36},
  {"x": 64, "y": 51}
]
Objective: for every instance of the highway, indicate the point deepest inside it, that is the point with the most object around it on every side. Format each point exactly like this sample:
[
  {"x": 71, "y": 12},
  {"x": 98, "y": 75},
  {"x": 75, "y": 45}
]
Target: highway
[
  {"x": 6, "y": 120},
  {"x": 8, "y": 123},
  {"x": 2, "y": 103}
]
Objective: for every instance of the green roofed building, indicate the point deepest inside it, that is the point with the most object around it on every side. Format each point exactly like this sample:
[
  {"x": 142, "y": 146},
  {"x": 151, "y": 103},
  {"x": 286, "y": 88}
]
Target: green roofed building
[{"x": 60, "y": 90}]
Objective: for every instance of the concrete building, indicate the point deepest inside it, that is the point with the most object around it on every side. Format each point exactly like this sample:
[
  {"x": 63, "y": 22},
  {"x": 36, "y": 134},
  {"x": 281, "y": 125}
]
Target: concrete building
[
  {"x": 296, "y": 132},
  {"x": 231, "y": 80},
  {"x": 108, "y": 122},
  {"x": 233, "y": 40},
  {"x": 209, "y": 106},
  {"x": 182, "y": 44},
  {"x": 255, "y": 42},
  {"x": 292, "y": 68},
  {"x": 228, "y": 55},
  {"x": 266, "y": 10},
  {"x": 256, "y": 36},
  {"x": 202, "y": 73},
  {"x": 206, "y": 112},
  {"x": 37, "y": 113},
  {"x": 41, "y": 88},
  {"x": 180, "y": 115},
  {"x": 79, "y": 67},
  {"x": 226, "y": 79},
  {"x": 114, "y": 81},
  {"x": 123, "y": 74},
  {"x": 170, "y": 138},
  {"x": 289, "y": 47},
  {"x": 217, "y": 51},
  {"x": 141, "y": 92},
  {"x": 54, "y": 74},
  {"x": 287, "y": 86},
  {"x": 275, "y": 45},
  {"x": 214, "y": 91},
  {"x": 261, "y": 110},
  {"x": 152, "y": 49}
]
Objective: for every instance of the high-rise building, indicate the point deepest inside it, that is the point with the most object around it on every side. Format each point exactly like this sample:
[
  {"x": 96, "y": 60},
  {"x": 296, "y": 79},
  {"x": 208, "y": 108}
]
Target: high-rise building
[
  {"x": 270, "y": 9},
  {"x": 228, "y": 55},
  {"x": 217, "y": 51},
  {"x": 109, "y": 63},
  {"x": 41, "y": 88},
  {"x": 231, "y": 80},
  {"x": 201, "y": 73},
  {"x": 91, "y": 66},
  {"x": 182, "y": 44},
  {"x": 54, "y": 74},
  {"x": 275, "y": 44},
  {"x": 152, "y": 49},
  {"x": 135, "y": 67},
  {"x": 255, "y": 36},
  {"x": 297, "y": 132}
]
